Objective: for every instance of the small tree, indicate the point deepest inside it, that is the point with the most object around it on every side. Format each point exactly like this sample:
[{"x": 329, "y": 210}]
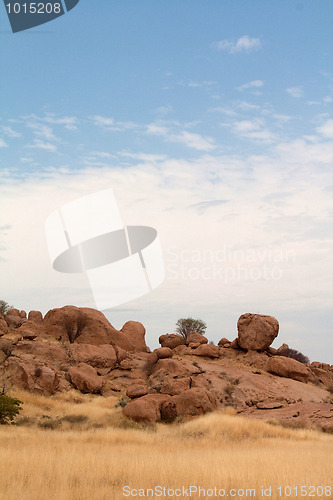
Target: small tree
[
  {"x": 9, "y": 408},
  {"x": 186, "y": 325},
  {"x": 4, "y": 307}
]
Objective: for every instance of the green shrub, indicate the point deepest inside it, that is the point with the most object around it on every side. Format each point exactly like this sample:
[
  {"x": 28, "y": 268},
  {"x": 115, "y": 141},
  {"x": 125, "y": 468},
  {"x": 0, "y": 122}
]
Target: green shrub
[
  {"x": 9, "y": 408},
  {"x": 186, "y": 325}
]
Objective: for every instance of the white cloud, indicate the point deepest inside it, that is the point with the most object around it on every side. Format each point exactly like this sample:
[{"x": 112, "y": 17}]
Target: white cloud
[
  {"x": 253, "y": 129},
  {"x": 156, "y": 129},
  {"x": 111, "y": 124},
  {"x": 3, "y": 144},
  {"x": 326, "y": 129},
  {"x": 195, "y": 141},
  {"x": 243, "y": 44},
  {"x": 189, "y": 139},
  {"x": 296, "y": 92},
  {"x": 47, "y": 146},
  {"x": 42, "y": 130},
  {"x": 251, "y": 85},
  {"x": 10, "y": 132},
  {"x": 70, "y": 122},
  {"x": 102, "y": 121}
]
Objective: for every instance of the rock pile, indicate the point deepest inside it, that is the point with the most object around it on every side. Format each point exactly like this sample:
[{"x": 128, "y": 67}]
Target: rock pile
[{"x": 79, "y": 348}]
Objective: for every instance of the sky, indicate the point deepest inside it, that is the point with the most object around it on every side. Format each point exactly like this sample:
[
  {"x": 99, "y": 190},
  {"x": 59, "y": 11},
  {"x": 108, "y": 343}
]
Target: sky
[{"x": 212, "y": 123}]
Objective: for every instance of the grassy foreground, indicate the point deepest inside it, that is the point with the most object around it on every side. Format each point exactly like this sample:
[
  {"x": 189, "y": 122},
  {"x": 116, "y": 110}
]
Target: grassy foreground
[{"x": 72, "y": 447}]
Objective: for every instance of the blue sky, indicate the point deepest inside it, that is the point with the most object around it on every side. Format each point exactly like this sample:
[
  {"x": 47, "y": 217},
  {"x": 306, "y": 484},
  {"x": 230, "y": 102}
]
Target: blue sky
[{"x": 212, "y": 121}]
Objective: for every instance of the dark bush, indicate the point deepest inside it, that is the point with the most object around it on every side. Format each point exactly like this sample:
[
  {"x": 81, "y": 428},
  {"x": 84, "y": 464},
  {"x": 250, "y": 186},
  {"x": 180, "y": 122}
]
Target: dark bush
[
  {"x": 292, "y": 353},
  {"x": 4, "y": 307}
]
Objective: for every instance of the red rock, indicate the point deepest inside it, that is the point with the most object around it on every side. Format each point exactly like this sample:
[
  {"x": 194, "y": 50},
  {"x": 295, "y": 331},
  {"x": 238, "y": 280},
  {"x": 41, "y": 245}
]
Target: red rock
[
  {"x": 14, "y": 312},
  {"x": 3, "y": 326},
  {"x": 163, "y": 352},
  {"x": 146, "y": 408},
  {"x": 211, "y": 351},
  {"x": 191, "y": 402},
  {"x": 28, "y": 334},
  {"x": 135, "y": 334},
  {"x": 288, "y": 367},
  {"x": 223, "y": 341},
  {"x": 174, "y": 386},
  {"x": 182, "y": 349},
  {"x": 30, "y": 330},
  {"x": 137, "y": 390},
  {"x": 84, "y": 378},
  {"x": 272, "y": 351},
  {"x": 234, "y": 344},
  {"x": 283, "y": 347},
  {"x": 14, "y": 321},
  {"x": 98, "y": 356},
  {"x": 35, "y": 316},
  {"x": 31, "y": 375},
  {"x": 256, "y": 332},
  {"x": 88, "y": 326},
  {"x": 269, "y": 405},
  {"x": 194, "y": 345},
  {"x": 324, "y": 376},
  {"x": 171, "y": 340},
  {"x": 196, "y": 337}
]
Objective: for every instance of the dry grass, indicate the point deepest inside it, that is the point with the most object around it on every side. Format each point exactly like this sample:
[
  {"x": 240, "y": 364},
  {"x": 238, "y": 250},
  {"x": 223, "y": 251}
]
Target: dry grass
[{"x": 93, "y": 459}]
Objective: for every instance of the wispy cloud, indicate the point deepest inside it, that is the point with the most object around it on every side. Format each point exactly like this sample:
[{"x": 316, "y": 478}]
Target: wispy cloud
[
  {"x": 3, "y": 144},
  {"x": 42, "y": 130},
  {"x": 40, "y": 144},
  {"x": 253, "y": 129},
  {"x": 10, "y": 132},
  {"x": 243, "y": 44},
  {"x": 296, "y": 92},
  {"x": 109, "y": 123},
  {"x": 189, "y": 139},
  {"x": 250, "y": 85}
]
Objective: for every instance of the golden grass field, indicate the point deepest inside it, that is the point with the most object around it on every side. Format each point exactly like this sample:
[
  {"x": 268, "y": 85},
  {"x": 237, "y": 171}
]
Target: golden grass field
[{"x": 75, "y": 447}]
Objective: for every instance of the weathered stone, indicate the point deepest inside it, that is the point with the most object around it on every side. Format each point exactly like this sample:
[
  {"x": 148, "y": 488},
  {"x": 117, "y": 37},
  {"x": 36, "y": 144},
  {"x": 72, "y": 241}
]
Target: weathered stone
[
  {"x": 191, "y": 402},
  {"x": 256, "y": 332},
  {"x": 196, "y": 337},
  {"x": 288, "y": 367},
  {"x": 211, "y": 351},
  {"x": 35, "y": 316},
  {"x": 137, "y": 390},
  {"x": 223, "y": 341},
  {"x": 146, "y": 408},
  {"x": 84, "y": 377},
  {"x": 171, "y": 340},
  {"x": 163, "y": 352}
]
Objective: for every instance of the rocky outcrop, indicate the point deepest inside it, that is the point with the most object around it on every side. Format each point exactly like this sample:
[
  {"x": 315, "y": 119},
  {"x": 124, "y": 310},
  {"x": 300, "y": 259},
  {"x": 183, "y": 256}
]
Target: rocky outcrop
[
  {"x": 78, "y": 348},
  {"x": 256, "y": 332},
  {"x": 84, "y": 325}
]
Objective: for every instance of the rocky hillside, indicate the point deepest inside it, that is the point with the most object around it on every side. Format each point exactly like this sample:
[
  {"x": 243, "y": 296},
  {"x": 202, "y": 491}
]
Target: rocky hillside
[{"x": 78, "y": 347}]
